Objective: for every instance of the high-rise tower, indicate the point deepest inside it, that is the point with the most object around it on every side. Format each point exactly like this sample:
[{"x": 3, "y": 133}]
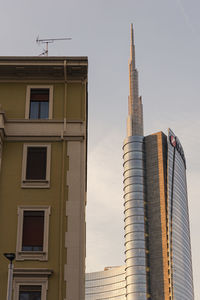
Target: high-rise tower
[
  {"x": 134, "y": 190},
  {"x": 157, "y": 238},
  {"x": 158, "y": 263}
]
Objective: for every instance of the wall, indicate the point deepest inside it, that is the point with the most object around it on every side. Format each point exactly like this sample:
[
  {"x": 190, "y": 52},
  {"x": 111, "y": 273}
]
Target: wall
[{"x": 68, "y": 140}]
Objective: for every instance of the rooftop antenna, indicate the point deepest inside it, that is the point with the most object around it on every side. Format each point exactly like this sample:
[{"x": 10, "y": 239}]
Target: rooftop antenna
[{"x": 47, "y": 41}]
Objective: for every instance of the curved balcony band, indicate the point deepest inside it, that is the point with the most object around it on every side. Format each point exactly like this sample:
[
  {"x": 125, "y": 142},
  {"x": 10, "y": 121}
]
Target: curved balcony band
[
  {"x": 134, "y": 218},
  {"x": 106, "y": 285}
]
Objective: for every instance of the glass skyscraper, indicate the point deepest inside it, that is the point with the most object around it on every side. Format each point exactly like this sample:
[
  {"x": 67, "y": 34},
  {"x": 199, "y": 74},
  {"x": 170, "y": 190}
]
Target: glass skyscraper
[{"x": 158, "y": 262}]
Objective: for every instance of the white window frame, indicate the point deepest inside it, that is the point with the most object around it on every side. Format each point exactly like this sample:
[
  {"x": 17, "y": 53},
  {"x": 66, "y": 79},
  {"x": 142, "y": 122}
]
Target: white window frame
[
  {"x": 28, "y": 96},
  {"x": 40, "y": 183},
  {"x": 32, "y": 255},
  {"x": 26, "y": 280}
]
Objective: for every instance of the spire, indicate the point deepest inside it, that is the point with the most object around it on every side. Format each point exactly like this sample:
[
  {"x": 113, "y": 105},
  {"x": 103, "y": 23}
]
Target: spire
[
  {"x": 132, "y": 47},
  {"x": 135, "y": 114}
]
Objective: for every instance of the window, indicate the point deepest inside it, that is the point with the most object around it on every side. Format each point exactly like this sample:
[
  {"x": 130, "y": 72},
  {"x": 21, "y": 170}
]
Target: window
[
  {"x": 36, "y": 163},
  {"x": 32, "y": 232},
  {"x": 30, "y": 292},
  {"x": 39, "y": 102},
  {"x": 30, "y": 284},
  {"x": 36, "y": 166}
]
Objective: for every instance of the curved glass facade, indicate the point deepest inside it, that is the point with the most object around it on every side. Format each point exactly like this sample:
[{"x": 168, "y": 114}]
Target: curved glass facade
[
  {"x": 155, "y": 175},
  {"x": 108, "y": 285},
  {"x": 179, "y": 232},
  {"x": 134, "y": 218}
]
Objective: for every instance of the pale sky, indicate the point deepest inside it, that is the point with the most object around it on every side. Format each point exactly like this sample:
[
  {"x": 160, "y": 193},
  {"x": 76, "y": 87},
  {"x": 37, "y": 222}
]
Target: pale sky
[{"x": 167, "y": 38}]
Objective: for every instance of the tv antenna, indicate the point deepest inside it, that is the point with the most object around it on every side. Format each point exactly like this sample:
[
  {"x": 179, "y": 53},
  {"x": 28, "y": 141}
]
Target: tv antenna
[{"x": 47, "y": 42}]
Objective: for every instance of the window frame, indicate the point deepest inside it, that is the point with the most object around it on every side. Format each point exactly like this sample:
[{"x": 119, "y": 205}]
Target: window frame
[
  {"x": 28, "y": 100},
  {"x": 32, "y": 255},
  {"x": 34, "y": 183},
  {"x": 30, "y": 281}
]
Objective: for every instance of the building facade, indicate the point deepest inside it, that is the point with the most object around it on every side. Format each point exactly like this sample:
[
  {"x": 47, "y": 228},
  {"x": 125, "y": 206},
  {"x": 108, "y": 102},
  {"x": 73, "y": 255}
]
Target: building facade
[
  {"x": 43, "y": 147},
  {"x": 179, "y": 230},
  {"x": 107, "y": 284},
  {"x": 158, "y": 261}
]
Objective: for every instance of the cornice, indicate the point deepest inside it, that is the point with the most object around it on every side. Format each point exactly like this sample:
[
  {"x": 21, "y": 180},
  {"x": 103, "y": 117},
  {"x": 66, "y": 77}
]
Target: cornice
[
  {"x": 29, "y": 272},
  {"x": 43, "y": 68},
  {"x": 45, "y": 130}
]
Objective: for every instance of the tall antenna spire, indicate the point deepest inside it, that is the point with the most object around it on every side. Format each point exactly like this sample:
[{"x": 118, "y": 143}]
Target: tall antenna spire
[
  {"x": 132, "y": 47},
  {"x": 135, "y": 113}
]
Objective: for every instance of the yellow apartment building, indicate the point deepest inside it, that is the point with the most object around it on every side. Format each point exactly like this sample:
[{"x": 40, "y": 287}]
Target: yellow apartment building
[{"x": 43, "y": 163}]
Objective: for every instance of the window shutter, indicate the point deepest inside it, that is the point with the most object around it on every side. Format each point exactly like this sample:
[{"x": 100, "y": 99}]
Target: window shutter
[
  {"x": 25, "y": 288},
  {"x": 33, "y": 229},
  {"x": 36, "y": 163},
  {"x": 39, "y": 95}
]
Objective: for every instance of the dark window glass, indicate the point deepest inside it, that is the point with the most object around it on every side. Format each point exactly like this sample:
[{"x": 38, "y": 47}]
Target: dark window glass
[
  {"x": 33, "y": 231},
  {"x": 36, "y": 163},
  {"x": 39, "y": 104},
  {"x": 30, "y": 292}
]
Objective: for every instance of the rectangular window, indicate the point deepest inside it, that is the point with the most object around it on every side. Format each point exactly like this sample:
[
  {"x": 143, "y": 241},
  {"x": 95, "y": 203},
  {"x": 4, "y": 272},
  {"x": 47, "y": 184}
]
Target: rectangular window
[
  {"x": 33, "y": 231},
  {"x": 36, "y": 163},
  {"x": 39, "y": 104},
  {"x": 30, "y": 292},
  {"x": 30, "y": 284},
  {"x": 36, "y": 166}
]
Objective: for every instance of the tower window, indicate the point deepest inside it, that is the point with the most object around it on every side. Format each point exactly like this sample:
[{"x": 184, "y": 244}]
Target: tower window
[
  {"x": 33, "y": 231},
  {"x": 39, "y": 104},
  {"x": 30, "y": 292}
]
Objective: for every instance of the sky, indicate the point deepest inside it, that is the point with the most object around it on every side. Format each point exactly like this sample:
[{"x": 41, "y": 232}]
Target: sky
[{"x": 167, "y": 38}]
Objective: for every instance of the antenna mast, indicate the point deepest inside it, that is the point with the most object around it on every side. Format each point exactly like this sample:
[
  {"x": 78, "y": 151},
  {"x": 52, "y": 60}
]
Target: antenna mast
[{"x": 46, "y": 42}]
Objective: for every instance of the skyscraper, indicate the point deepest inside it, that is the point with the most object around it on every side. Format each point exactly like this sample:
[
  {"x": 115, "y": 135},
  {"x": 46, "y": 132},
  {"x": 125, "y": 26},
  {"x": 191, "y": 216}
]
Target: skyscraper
[{"x": 157, "y": 238}]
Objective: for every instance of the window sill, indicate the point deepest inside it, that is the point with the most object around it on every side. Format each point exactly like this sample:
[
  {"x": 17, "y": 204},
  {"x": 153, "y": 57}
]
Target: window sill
[
  {"x": 32, "y": 255},
  {"x": 39, "y": 119},
  {"x": 35, "y": 184}
]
